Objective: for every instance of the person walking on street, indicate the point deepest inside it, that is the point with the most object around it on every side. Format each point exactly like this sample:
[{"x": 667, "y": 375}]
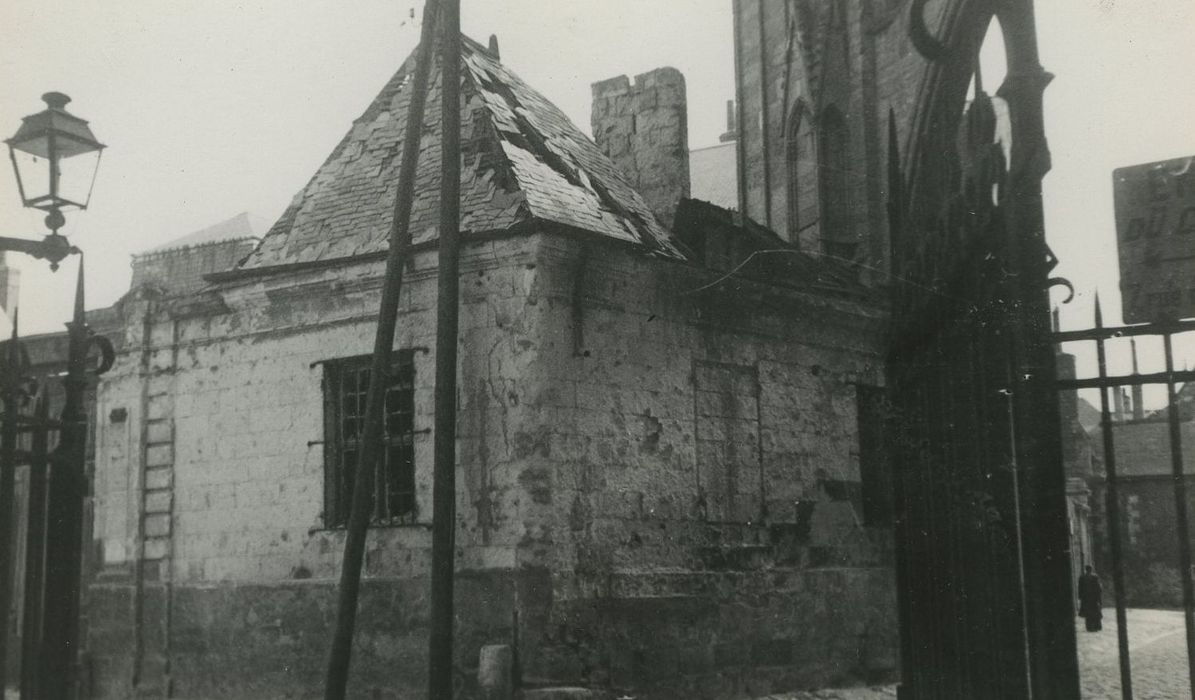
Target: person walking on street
[{"x": 1091, "y": 607}]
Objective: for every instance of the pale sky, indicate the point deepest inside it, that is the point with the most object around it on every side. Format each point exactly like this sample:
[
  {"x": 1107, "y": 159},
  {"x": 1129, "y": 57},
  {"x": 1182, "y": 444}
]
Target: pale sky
[{"x": 213, "y": 108}]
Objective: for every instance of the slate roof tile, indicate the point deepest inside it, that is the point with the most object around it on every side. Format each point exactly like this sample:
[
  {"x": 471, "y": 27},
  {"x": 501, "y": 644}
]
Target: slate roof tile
[{"x": 521, "y": 159}]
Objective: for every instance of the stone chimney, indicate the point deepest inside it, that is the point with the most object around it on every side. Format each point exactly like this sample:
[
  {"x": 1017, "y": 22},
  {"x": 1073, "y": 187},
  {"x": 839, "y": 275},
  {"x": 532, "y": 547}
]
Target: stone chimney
[
  {"x": 732, "y": 124},
  {"x": 644, "y": 129},
  {"x": 1119, "y": 399},
  {"x": 1138, "y": 398},
  {"x": 10, "y": 285}
]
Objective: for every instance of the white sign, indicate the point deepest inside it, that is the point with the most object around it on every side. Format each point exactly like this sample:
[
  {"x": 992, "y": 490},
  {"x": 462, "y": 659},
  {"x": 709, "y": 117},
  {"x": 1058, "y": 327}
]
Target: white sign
[{"x": 1155, "y": 235}]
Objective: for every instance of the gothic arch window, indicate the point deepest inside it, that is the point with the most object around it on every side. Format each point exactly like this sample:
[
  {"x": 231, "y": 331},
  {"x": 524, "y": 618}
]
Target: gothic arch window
[
  {"x": 834, "y": 178},
  {"x": 801, "y": 171}
]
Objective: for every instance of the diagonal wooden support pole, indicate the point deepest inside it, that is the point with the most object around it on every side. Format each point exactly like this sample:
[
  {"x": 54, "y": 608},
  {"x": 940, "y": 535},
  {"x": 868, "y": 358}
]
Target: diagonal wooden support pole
[{"x": 336, "y": 680}]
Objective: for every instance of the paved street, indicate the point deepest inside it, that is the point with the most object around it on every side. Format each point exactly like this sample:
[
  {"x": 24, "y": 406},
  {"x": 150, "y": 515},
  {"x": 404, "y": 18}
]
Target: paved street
[
  {"x": 878, "y": 693},
  {"x": 1157, "y": 642},
  {"x": 1157, "y": 646}
]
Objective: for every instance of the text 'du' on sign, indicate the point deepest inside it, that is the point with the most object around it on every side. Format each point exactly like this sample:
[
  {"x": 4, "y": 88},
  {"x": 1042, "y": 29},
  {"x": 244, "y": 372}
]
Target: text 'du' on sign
[{"x": 1155, "y": 236}]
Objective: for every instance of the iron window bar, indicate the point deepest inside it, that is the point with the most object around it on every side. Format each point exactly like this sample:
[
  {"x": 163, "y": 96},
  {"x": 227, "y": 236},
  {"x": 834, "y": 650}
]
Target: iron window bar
[{"x": 347, "y": 380}]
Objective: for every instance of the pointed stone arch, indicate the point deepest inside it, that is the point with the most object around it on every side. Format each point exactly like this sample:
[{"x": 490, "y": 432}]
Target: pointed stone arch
[{"x": 801, "y": 171}]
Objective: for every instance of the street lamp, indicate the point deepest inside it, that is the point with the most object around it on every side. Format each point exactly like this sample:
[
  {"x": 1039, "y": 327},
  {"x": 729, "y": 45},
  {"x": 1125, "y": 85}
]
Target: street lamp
[{"x": 55, "y": 157}]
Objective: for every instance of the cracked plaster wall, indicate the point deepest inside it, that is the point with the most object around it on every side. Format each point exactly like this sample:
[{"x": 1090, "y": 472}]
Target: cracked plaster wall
[
  {"x": 586, "y": 503},
  {"x": 243, "y": 546},
  {"x": 247, "y": 407}
]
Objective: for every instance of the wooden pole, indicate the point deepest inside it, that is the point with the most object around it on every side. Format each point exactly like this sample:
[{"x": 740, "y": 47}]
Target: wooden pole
[
  {"x": 447, "y": 312},
  {"x": 339, "y": 657}
]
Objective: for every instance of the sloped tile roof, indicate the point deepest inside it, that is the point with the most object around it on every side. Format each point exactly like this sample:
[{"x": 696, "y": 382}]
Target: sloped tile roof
[{"x": 522, "y": 160}]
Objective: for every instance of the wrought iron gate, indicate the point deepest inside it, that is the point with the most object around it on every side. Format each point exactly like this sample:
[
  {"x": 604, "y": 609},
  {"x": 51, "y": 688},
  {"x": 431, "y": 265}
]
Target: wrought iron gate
[
  {"x": 50, "y": 455},
  {"x": 982, "y": 533},
  {"x": 1179, "y": 474}
]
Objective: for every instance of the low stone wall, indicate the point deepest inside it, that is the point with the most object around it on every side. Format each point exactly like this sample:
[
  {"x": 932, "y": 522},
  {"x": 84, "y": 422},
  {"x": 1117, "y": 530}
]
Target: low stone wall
[
  {"x": 714, "y": 634},
  {"x": 725, "y": 634},
  {"x": 258, "y": 641}
]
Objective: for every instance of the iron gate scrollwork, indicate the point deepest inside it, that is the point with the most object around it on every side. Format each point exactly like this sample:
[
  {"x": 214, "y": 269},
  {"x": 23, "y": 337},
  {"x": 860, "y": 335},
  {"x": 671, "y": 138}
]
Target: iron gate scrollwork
[
  {"x": 52, "y": 452},
  {"x": 982, "y": 538}
]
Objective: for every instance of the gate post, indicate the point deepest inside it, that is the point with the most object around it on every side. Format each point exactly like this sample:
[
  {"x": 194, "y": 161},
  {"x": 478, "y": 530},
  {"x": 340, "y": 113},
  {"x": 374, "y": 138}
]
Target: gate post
[{"x": 1053, "y": 666}]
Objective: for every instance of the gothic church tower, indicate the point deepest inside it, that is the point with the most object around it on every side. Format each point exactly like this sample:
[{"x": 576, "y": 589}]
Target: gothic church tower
[{"x": 815, "y": 81}]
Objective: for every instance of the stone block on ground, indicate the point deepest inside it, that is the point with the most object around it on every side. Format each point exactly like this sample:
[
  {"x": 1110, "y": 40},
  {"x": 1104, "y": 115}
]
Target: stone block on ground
[{"x": 563, "y": 693}]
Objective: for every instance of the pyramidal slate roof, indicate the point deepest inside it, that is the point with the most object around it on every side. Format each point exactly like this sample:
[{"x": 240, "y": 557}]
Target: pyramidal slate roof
[{"x": 522, "y": 161}]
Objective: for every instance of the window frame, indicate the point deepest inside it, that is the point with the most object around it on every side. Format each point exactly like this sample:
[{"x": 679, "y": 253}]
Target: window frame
[{"x": 346, "y": 380}]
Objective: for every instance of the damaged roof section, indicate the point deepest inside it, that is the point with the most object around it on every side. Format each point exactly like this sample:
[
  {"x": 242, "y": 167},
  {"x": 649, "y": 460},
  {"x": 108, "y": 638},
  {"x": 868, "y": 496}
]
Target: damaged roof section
[
  {"x": 725, "y": 242},
  {"x": 522, "y": 160}
]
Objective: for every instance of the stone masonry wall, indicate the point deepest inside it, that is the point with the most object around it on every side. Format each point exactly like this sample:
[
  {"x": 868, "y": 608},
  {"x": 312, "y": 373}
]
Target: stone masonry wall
[
  {"x": 699, "y": 457},
  {"x": 662, "y": 485},
  {"x": 644, "y": 129},
  {"x": 1150, "y": 550},
  {"x": 237, "y": 576}
]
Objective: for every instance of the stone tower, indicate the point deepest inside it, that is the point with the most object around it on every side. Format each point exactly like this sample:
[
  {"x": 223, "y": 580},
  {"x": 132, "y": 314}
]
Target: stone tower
[{"x": 643, "y": 127}]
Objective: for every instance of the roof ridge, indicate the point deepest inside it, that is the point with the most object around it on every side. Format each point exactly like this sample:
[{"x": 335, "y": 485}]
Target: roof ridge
[{"x": 522, "y": 159}]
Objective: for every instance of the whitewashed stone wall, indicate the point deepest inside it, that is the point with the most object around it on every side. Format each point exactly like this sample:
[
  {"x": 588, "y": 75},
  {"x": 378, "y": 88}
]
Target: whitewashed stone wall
[{"x": 635, "y": 459}]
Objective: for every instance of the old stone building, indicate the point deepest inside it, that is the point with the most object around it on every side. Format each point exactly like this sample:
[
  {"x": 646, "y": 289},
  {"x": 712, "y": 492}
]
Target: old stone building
[{"x": 670, "y": 480}]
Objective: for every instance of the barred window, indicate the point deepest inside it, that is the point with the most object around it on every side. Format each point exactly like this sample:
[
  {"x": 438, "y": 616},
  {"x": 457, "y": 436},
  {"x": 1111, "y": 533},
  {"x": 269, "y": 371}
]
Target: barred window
[{"x": 346, "y": 384}]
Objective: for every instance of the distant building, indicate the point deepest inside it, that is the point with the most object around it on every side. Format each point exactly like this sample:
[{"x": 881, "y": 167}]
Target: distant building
[
  {"x": 1145, "y": 484},
  {"x": 178, "y": 266},
  {"x": 1082, "y": 464},
  {"x": 713, "y": 170},
  {"x": 10, "y": 288}
]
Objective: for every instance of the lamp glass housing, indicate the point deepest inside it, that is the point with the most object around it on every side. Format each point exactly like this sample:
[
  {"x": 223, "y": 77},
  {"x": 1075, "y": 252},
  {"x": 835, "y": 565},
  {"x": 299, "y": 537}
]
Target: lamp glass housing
[{"x": 55, "y": 157}]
